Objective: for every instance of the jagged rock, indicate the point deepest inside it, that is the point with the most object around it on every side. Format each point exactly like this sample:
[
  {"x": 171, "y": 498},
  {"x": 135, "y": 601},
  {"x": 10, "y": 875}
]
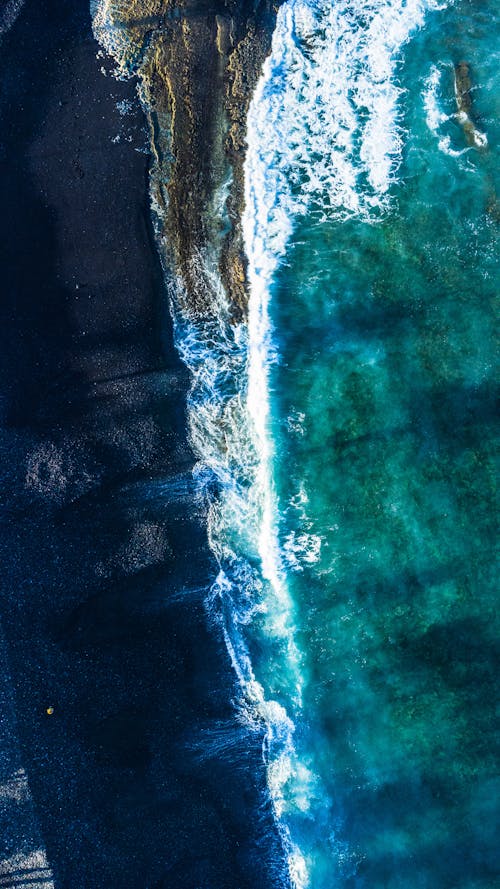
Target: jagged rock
[{"x": 198, "y": 64}]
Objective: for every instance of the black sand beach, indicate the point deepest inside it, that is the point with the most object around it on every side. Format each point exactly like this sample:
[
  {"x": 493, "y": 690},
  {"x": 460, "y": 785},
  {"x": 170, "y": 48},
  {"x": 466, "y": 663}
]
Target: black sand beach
[{"x": 141, "y": 777}]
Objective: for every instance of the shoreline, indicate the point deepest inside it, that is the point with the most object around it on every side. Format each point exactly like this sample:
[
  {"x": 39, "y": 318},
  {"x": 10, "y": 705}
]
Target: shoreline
[
  {"x": 206, "y": 273},
  {"x": 197, "y": 64}
]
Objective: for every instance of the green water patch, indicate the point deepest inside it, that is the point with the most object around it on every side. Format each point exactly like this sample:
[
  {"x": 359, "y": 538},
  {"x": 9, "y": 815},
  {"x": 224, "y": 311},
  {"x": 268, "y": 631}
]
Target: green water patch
[{"x": 384, "y": 405}]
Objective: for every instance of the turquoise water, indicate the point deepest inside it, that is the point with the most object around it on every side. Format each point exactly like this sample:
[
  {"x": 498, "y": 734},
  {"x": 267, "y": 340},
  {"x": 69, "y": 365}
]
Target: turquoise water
[
  {"x": 382, "y": 403},
  {"x": 345, "y": 438}
]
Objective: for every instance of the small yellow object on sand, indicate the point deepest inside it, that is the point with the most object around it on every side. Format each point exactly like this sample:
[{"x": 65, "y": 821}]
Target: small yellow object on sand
[{"x": 49, "y": 711}]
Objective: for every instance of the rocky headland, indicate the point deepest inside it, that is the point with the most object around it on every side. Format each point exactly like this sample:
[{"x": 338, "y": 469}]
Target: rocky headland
[{"x": 197, "y": 63}]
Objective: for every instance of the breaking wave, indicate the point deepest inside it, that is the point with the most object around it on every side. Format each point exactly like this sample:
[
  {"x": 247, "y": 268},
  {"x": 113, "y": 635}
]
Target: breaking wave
[
  {"x": 437, "y": 119},
  {"x": 324, "y": 138}
]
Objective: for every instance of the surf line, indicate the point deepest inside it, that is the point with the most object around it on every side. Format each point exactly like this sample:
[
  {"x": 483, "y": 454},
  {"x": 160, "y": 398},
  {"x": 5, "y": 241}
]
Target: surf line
[
  {"x": 228, "y": 414},
  {"x": 324, "y": 111},
  {"x": 324, "y": 136}
]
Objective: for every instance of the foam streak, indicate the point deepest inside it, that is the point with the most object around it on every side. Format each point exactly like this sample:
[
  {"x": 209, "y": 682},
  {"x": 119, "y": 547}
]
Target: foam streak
[{"x": 324, "y": 138}]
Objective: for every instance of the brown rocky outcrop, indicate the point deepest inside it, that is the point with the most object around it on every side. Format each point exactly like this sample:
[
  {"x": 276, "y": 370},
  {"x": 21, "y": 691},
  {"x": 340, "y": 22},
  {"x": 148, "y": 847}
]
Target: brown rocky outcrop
[{"x": 198, "y": 63}]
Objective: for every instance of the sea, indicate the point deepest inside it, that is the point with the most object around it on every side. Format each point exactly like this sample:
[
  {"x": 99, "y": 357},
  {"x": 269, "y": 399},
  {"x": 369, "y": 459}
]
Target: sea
[{"x": 345, "y": 437}]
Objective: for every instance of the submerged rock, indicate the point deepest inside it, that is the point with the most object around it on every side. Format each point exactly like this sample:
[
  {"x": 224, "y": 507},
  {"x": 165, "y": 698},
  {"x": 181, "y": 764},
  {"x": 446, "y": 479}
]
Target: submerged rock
[{"x": 463, "y": 90}]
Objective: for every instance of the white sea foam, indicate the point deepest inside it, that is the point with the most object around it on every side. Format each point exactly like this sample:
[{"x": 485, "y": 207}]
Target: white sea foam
[
  {"x": 233, "y": 452},
  {"x": 124, "y": 107},
  {"x": 479, "y": 139},
  {"x": 323, "y": 127},
  {"x": 436, "y": 118},
  {"x": 9, "y": 14},
  {"x": 302, "y": 549},
  {"x": 295, "y": 422},
  {"x": 125, "y": 45},
  {"x": 324, "y": 137},
  {"x": 434, "y": 115},
  {"x": 243, "y": 534}
]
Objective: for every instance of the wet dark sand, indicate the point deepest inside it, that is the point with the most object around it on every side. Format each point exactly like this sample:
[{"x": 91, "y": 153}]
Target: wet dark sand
[{"x": 105, "y": 559}]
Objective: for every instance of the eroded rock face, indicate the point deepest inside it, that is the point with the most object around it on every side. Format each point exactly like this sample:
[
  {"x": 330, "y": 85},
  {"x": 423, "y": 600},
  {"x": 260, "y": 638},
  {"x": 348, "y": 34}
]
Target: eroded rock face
[{"x": 198, "y": 63}]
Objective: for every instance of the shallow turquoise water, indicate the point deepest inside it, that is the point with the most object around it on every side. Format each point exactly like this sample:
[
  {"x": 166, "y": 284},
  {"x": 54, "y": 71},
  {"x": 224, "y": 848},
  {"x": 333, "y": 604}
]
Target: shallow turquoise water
[
  {"x": 383, "y": 404},
  {"x": 351, "y": 482}
]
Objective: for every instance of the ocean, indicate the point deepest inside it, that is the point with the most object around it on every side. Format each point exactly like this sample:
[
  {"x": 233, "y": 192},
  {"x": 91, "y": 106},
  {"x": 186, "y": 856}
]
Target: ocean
[
  {"x": 372, "y": 234},
  {"x": 344, "y": 431}
]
